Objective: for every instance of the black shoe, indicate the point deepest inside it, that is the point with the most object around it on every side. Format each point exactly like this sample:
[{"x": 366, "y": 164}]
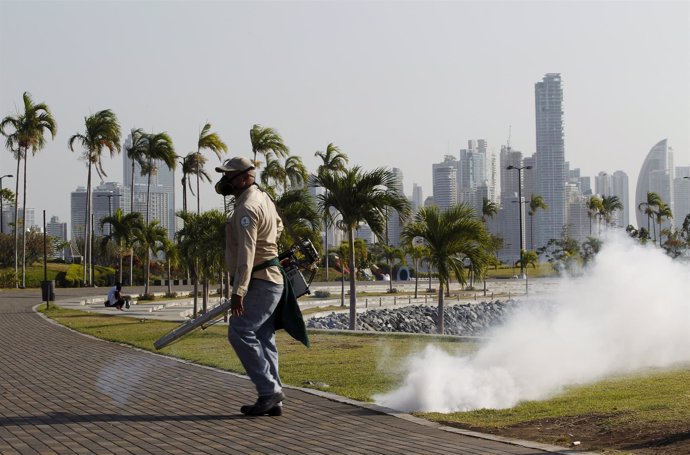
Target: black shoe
[
  {"x": 264, "y": 404},
  {"x": 275, "y": 411}
]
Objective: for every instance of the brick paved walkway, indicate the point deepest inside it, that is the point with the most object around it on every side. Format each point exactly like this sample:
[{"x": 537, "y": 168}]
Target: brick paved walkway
[{"x": 64, "y": 393}]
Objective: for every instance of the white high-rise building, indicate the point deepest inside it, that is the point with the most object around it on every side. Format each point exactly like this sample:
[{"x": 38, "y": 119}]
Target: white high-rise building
[
  {"x": 417, "y": 198},
  {"x": 603, "y": 184},
  {"x": 577, "y": 217},
  {"x": 508, "y": 220},
  {"x": 681, "y": 196},
  {"x": 107, "y": 198},
  {"x": 162, "y": 191},
  {"x": 656, "y": 176},
  {"x": 8, "y": 218},
  {"x": 78, "y": 213},
  {"x": 58, "y": 231},
  {"x": 445, "y": 182},
  {"x": 616, "y": 184},
  {"x": 550, "y": 157}
]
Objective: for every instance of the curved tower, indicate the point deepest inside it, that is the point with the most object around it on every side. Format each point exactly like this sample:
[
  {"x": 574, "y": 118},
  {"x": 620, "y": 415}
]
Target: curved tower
[{"x": 656, "y": 176}]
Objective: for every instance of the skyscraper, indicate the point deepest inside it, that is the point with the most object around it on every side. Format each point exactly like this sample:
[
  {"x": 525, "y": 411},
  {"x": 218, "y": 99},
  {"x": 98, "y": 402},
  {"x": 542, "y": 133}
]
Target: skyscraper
[
  {"x": 445, "y": 182},
  {"x": 58, "y": 231},
  {"x": 417, "y": 198},
  {"x": 656, "y": 176},
  {"x": 107, "y": 198},
  {"x": 681, "y": 196},
  {"x": 550, "y": 157},
  {"x": 78, "y": 213},
  {"x": 508, "y": 219}
]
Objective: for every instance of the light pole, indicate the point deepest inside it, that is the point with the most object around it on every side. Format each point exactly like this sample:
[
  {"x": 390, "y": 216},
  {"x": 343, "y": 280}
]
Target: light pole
[
  {"x": 2, "y": 228},
  {"x": 519, "y": 171}
]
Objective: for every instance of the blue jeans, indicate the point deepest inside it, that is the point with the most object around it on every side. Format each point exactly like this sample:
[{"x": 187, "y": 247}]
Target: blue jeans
[{"x": 253, "y": 337}]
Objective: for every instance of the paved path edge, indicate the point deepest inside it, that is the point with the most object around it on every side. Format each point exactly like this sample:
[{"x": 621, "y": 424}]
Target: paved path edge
[{"x": 340, "y": 399}]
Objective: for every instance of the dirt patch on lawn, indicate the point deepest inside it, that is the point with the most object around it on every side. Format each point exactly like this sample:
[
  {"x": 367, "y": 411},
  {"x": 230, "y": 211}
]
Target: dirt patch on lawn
[{"x": 598, "y": 432}]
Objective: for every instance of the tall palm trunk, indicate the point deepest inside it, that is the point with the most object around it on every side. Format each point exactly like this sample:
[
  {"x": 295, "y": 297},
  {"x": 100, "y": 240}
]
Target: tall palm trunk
[
  {"x": 148, "y": 190},
  {"x": 24, "y": 226},
  {"x": 198, "y": 197},
  {"x": 184, "y": 192},
  {"x": 87, "y": 230},
  {"x": 204, "y": 302},
  {"x": 16, "y": 219},
  {"x": 353, "y": 274},
  {"x": 416, "y": 277},
  {"x": 121, "y": 249},
  {"x": 131, "y": 210},
  {"x": 531, "y": 236},
  {"x": 169, "y": 279},
  {"x": 440, "y": 310},
  {"x": 148, "y": 269}
]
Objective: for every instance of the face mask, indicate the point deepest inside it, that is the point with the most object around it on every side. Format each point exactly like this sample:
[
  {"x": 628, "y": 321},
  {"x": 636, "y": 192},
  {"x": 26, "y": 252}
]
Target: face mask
[{"x": 224, "y": 186}]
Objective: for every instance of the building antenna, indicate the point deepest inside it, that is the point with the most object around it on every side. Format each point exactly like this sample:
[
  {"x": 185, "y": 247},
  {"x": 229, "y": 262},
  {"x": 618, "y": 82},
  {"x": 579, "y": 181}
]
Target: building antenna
[{"x": 510, "y": 131}]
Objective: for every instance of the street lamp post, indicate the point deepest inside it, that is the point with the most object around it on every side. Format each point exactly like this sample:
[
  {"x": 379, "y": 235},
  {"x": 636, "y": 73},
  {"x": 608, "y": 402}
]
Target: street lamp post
[
  {"x": 2, "y": 228},
  {"x": 519, "y": 171}
]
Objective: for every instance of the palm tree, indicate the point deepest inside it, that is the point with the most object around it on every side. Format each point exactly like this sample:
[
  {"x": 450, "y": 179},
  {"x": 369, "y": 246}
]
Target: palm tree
[
  {"x": 653, "y": 200},
  {"x": 29, "y": 129},
  {"x": 295, "y": 172},
  {"x": 172, "y": 259},
  {"x": 334, "y": 161},
  {"x": 202, "y": 244},
  {"x": 609, "y": 204},
  {"x": 192, "y": 164},
  {"x": 266, "y": 141},
  {"x": 358, "y": 196},
  {"x": 663, "y": 212},
  {"x": 12, "y": 144},
  {"x": 122, "y": 229},
  {"x": 594, "y": 206},
  {"x": 391, "y": 254},
  {"x": 298, "y": 210},
  {"x": 210, "y": 141},
  {"x": 274, "y": 171},
  {"x": 152, "y": 148},
  {"x": 102, "y": 132},
  {"x": 451, "y": 236},
  {"x": 150, "y": 236},
  {"x": 489, "y": 209},
  {"x": 135, "y": 152},
  {"x": 527, "y": 258},
  {"x": 536, "y": 202},
  {"x": 416, "y": 252}
]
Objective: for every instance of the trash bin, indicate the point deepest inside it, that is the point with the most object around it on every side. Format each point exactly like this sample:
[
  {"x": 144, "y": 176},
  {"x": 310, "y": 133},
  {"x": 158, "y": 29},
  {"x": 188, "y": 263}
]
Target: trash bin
[{"x": 48, "y": 290}]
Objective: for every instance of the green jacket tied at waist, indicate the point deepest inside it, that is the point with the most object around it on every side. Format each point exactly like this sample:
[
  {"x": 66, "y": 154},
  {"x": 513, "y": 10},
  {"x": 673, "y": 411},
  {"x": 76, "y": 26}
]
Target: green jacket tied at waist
[{"x": 288, "y": 316}]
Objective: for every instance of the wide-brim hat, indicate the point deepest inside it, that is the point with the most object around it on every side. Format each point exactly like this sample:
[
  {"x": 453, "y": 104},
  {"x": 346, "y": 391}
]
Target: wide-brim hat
[{"x": 236, "y": 165}]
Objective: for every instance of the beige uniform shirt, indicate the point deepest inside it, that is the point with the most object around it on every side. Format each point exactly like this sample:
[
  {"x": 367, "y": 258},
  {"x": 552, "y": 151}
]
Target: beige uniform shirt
[{"x": 251, "y": 237}]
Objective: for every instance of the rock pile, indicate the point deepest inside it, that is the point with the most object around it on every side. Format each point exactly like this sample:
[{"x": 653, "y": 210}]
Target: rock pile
[{"x": 467, "y": 319}]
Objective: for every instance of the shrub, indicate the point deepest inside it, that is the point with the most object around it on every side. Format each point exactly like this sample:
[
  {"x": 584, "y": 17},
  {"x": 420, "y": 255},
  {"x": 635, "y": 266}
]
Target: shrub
[
  {"x": 320, "y": 294},
  {"x": 8, "y": 279}
]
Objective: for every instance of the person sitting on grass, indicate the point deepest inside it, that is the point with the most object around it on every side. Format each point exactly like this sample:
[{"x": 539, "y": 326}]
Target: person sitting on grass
[{"x": 116, "y": 299}]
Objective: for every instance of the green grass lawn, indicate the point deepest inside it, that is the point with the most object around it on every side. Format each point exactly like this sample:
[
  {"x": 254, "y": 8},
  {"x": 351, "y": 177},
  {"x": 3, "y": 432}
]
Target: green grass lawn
[{"x": 363, "y": 364}]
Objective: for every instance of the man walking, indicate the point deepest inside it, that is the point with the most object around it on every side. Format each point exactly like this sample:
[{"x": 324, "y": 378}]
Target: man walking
[{"x": 251, "y": 251}]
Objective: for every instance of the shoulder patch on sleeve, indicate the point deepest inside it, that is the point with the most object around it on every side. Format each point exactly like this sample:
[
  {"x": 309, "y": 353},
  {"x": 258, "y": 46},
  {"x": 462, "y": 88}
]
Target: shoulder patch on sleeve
[{"x": 245, "y": 222}]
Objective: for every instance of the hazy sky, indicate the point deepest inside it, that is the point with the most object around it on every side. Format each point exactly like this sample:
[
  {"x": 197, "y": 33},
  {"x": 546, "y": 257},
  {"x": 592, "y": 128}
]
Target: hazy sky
[{"x": 392, "y": 83}]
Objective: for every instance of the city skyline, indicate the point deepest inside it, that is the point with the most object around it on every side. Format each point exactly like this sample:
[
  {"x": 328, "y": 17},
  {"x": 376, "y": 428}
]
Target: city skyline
[{"x": 403, "y": 83}]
